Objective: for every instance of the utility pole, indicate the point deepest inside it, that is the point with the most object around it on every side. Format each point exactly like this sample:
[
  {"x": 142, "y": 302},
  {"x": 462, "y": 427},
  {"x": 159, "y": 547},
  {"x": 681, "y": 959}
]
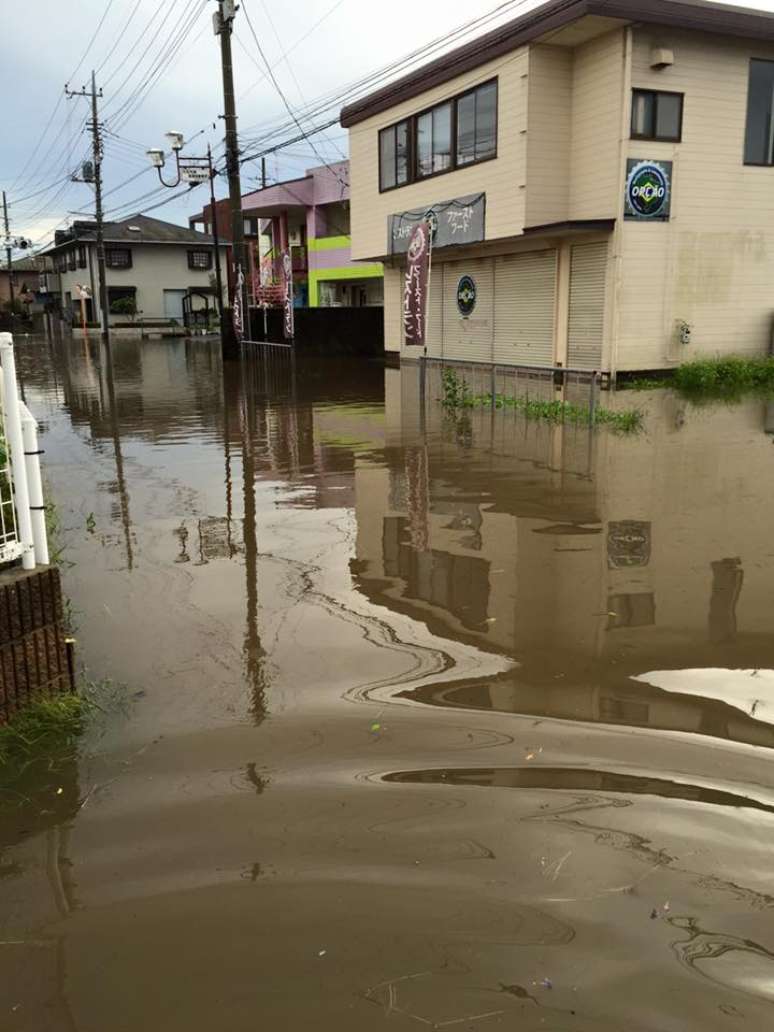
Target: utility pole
[
  {"x": 216, "y": 240},
  {"x": 8, "y": 250},
  {"x": 96, "y": 137},
  {"x": 223, "y": 24},
  {"x": 263, "y": 172}
]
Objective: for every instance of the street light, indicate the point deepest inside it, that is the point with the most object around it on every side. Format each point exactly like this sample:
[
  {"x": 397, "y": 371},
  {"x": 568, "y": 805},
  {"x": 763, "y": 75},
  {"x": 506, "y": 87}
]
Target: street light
[{"x": 194, "y": 171}]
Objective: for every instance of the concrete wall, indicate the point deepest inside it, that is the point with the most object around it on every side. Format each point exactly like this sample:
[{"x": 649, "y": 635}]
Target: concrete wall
[
  {"x": 503, "y": 179},
  {"x": 712, "y": 265}
]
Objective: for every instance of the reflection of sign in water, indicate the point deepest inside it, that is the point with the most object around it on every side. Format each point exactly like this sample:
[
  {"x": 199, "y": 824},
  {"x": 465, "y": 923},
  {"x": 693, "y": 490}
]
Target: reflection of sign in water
[
  {"x": 459, "y": 221},
  {"x": 415, "y": 287},
  {"x": 648, "y": 189},
  {"x": 466, "y": 296},
  {"x": 628, "y": 544}
]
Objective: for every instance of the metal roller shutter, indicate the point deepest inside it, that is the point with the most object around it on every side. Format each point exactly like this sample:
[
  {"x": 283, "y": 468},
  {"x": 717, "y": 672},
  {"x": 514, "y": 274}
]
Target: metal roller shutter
[
  {"x": 588, "y": 269},
  {"x": 525, "y": 288},
  {"x": 435, "y": 312},
  {"x": 468, "y": 339}
]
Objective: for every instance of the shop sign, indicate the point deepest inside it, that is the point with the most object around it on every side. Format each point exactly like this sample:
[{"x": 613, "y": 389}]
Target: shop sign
[
  {"x": 415, "y": 287},
  {"x": 648, "y": 190},
  {"x": 289, "y": 321},
  {"x": 467, "y": 294},
  {"x": 459, "y": 221}
]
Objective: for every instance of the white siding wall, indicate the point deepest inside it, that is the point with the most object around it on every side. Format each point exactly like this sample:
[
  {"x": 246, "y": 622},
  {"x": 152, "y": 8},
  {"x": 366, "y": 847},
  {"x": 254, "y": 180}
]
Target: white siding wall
[
  {"x": 503, "y": 179},
  {"x": 597, "y": 97},
  {"x": 713, "y": 264},
  {"x": 155, "y": 268},
  {"x": 549, "y": 134}
]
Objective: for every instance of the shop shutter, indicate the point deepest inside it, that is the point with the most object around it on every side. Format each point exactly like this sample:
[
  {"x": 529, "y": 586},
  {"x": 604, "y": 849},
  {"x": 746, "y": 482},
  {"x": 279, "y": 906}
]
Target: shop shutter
[
  {"x": 525, "y": 305},
  {"x": 435, "y": 312},
  {"x": 468, "y": 339},
  {"x": 588, "y": 269}
]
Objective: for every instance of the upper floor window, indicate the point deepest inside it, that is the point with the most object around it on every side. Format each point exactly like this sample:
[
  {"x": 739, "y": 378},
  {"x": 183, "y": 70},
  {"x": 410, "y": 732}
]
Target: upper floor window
[
  {"x": 81, "y": 256},
  {"x": 759, "y": 136},
  {"x": 118, "y": 258},
  {"x": 394, "y": 156},
  {"x": 477, "y": 125},
  {"x": 200, "y": 260},
  {"x": 657, "y": 115},
  {"x": 451, "y": 135}
]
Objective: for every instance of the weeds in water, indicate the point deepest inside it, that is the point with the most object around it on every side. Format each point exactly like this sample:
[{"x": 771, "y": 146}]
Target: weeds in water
[
  {"x": 457, "y": 395},
  {"x": 91, "y": 523},
  {"x": 49, "y": 725},
  {"x": 726, "y": 376}
]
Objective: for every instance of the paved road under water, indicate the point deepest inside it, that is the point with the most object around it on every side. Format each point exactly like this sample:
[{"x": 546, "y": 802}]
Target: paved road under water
[{"x": 454, "y": 725}]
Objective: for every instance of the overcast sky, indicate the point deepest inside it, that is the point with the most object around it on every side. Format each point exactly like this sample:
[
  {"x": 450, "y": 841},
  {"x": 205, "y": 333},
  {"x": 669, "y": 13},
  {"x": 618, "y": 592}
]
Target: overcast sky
[{"x": 169, "y": 47}]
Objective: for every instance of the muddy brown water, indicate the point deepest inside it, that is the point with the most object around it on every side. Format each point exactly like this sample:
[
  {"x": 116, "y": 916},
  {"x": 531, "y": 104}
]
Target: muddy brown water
[{"x": 422, "y": 723}]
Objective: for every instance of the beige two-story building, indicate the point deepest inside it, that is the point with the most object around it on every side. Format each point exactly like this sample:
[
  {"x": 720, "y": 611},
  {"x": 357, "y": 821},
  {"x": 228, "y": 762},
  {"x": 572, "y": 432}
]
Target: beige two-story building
[{"x": 599, "y": 177}]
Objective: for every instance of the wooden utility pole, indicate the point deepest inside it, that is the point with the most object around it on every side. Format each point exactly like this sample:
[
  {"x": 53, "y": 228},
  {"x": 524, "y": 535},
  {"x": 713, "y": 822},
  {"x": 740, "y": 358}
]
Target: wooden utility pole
[
  {"x": 8, "y": 250},
  {"x": 96, "y": 138},
  {"x": 224, "y": 26}
]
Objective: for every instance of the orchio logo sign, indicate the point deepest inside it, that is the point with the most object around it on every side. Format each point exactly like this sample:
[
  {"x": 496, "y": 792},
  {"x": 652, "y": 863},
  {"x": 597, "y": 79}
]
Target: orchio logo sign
[{"x": 648, "y": 190}]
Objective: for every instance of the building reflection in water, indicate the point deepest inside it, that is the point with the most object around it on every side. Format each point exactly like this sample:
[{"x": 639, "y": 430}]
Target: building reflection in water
[{"x": 583, "y": 556}]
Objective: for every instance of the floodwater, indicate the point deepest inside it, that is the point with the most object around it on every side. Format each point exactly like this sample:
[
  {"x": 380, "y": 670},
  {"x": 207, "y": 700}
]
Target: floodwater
[{"x": 415, "y": 723}]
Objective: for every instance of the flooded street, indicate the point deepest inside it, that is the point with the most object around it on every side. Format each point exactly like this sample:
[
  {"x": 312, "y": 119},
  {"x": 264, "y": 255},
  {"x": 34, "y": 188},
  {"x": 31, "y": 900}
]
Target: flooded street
[{"x": 422, "y": 722}]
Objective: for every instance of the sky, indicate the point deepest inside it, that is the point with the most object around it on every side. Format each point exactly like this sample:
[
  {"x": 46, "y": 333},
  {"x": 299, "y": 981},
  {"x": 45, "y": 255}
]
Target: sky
[{"x": 158, "y": 65}]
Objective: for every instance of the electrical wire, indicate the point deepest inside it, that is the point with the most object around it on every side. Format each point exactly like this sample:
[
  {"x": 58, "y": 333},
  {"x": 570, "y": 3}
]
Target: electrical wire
[
  {"x": 90, "y": 44},
  {"x": 278, "y": 88},
  {"x": 120, "y": 36}
]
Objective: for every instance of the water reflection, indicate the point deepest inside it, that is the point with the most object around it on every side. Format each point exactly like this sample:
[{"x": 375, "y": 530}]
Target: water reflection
[{"x": 349, "y": 622}]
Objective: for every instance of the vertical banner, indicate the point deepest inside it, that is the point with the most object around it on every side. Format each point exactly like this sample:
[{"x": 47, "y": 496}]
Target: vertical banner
[
  {"x": 239, "y": 315},
  {"x": 287, "y": 268},
  {"x": 415, "y": 289}
]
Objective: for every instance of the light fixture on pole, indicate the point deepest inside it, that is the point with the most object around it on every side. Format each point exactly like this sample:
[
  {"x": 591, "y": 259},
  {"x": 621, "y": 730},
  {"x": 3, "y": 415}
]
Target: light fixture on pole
[{"x": 194, "y": 171}]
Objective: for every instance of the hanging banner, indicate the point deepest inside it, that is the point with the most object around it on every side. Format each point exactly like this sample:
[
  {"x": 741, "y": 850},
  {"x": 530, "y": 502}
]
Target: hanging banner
[
  {"x": 239, "y": 317},
  {"x": 290, "y": 322},
  {"x": 415, "y": 288}
]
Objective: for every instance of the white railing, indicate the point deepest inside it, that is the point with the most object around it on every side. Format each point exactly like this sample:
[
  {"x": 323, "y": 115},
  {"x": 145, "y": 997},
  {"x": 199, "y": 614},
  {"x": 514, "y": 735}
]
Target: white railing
[{"x": 22, "y": 508}]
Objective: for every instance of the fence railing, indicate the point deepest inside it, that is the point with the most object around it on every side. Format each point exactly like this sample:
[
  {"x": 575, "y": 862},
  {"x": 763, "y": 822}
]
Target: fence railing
[{"x": 22, "y": 508}]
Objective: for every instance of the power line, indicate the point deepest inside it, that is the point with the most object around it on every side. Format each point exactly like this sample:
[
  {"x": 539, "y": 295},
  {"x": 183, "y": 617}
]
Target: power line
[
  {"x": 278, "y": 88},
  {"x": 91, "y": 41},
  {"x": 121, "y": 35}
]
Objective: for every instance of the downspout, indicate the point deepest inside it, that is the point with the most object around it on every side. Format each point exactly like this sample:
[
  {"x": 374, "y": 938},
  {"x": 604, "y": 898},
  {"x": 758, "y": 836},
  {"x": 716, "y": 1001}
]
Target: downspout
[{"x": 618, "y": 235}]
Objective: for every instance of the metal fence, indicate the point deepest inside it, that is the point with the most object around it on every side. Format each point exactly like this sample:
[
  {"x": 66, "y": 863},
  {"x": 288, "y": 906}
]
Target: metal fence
[{"x": 22, "y": 508}]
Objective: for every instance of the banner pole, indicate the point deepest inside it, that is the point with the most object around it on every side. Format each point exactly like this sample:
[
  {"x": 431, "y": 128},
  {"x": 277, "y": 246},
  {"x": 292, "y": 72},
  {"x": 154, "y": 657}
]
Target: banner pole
[{"x": 429, "y": 283}]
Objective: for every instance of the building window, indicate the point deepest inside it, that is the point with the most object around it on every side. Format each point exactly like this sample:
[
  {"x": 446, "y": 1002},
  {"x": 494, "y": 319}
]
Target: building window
[
  {"x": 81, "y": 256},
  {"x": 477, "y": 125},
  {"x": 657, "y": 116},
  {"x": 200, "y": 260},
  {"x": 451, "y": 135},
  {"x": 434, "y": 141},
  {"x": 72, "y": 263},
  {"x": 394, "y": 156},
  {"x": 759, "y": 135},
  {"x": 118, "y": 258}
]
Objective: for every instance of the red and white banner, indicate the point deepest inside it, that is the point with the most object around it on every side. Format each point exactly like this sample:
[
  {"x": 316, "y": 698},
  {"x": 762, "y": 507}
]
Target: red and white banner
[{"x": 239, "y": 315}]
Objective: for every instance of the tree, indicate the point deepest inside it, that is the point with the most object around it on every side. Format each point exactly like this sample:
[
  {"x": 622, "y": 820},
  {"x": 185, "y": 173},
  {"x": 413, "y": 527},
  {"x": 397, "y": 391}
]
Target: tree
[{"x": 124, "y": 306}]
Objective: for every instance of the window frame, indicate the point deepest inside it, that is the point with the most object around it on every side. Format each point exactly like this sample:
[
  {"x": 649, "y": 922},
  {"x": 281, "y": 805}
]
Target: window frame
[
  {"x": 745, "y": 162},
  {"x": 654, "y": 137},
  {"x": 413, "y": 151},
  {"x": 410, "y": 148},
  {"x": 110, "y": 251},
  {"x": 200, "y": 268}
]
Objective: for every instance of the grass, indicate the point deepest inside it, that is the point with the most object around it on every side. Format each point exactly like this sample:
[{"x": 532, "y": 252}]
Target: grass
[
  {"x": 457, "y": 395},
  {"x": 44, "y": 727},
  {"x": 725, "y": 376}
]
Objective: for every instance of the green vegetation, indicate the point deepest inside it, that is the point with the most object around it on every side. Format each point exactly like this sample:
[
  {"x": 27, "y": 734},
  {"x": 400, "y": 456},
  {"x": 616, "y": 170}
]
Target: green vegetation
[
  {"x": 725, "y": 376},
  {"x": 50, "y": 725},
  {"x": 457, "y": 395}
]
